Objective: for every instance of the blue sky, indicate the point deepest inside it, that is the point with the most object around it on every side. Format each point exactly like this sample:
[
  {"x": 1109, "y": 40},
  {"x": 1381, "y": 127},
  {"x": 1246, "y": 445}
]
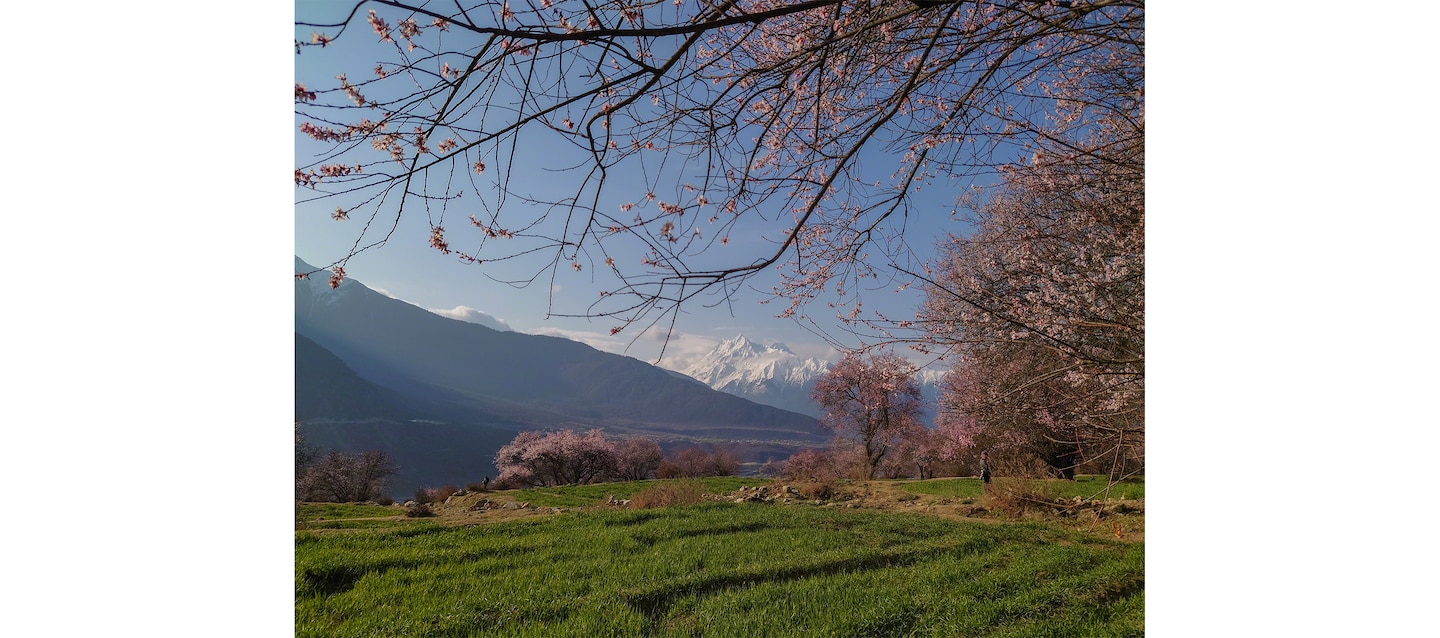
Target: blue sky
[{"x": 408, "y": 268}]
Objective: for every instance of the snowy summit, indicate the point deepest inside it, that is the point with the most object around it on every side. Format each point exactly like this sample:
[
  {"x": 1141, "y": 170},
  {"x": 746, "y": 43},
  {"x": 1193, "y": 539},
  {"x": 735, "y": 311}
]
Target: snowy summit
[{"x": 769, "y": 374}]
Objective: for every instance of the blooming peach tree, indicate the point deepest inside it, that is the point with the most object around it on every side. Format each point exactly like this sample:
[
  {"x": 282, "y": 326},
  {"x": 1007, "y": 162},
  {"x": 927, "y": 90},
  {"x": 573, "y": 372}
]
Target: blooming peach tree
[
  {"x": 565, "y": 457},
  {"x": 343, "y": 477},
  {"x": 672, "y": 129},
  {"x": 696, "y": 461},
  {"x": 637, "y": 458},
  {"x": 1041, "y": 308},
  {"x": 872, "y": 401}
]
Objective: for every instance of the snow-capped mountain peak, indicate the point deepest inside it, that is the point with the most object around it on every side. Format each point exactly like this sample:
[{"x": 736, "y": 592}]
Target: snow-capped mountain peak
[
  {"x": 773, "y": 375},
  {"x": 770, "y": 374}
]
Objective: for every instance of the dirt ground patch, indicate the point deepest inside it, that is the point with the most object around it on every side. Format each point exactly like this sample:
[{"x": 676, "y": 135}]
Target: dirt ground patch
[{"x": 1121, "y": 520}]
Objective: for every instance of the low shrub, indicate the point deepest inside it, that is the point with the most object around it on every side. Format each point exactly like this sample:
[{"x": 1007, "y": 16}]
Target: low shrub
[
  {"x": 435, "y": 494},
  {"x": 815, "y": 490},
  {"x": 1016, "y": 496},
  {"x": 419, "y": 510},
  {"x": 385, "y": 500},
  {"x": 668, "y": 494}
]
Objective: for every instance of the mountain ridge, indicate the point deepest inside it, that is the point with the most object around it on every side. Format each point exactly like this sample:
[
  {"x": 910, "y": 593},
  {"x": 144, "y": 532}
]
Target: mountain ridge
[
  {"x": 527, "y": 381},
  {"x": 770, "y": 374}
]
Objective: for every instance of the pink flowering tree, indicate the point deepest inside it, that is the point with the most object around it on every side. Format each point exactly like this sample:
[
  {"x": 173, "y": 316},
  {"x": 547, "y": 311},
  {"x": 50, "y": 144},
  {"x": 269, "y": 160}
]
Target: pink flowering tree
[
  {"x": 802, "y": 127},
  {"x": 842, "y": 459},
  {"x": 637, "y": 458},
  {"x": 346, "y": 477},
  {"x": 696, "y": 461},
  {"x": 872, "y": 401},
  {"x": 565, "y": 457},
  {"x": 1040, "y": 307}
]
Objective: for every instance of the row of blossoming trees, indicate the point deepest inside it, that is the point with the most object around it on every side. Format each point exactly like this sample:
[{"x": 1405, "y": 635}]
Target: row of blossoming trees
[{"x": 568, "y": 457}]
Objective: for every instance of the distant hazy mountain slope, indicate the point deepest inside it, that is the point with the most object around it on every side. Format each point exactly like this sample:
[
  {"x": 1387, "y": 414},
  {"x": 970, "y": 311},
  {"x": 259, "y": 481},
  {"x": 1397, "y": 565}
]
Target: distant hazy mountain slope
[
  {"x": 327, "y": 388},
  {"x": 434, "y": 439},
  {"x": 543, "y": 381}
]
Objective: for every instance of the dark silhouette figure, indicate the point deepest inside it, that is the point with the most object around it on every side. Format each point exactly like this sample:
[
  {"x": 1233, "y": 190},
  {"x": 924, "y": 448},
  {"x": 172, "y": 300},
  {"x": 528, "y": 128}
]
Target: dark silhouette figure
[
  {"x": 487, "y": 483},
  {"x": 984, "y": 468}
]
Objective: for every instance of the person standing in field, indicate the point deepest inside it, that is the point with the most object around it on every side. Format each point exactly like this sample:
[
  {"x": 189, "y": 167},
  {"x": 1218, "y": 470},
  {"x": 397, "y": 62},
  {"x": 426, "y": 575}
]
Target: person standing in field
[{"x": 984, "y": 468}]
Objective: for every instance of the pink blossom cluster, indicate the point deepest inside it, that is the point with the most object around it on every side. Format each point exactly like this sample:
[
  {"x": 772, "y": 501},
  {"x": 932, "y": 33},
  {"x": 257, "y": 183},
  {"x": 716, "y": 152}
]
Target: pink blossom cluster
[
  {"x": 328, "y": 134},
  {"x": 437, "y": 239},
  {"x": 379, "y": 26},
  {"x": 491, "y": 231}
]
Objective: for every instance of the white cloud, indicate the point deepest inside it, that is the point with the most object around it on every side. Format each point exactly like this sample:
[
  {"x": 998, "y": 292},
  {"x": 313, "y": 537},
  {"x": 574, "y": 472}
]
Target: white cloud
[
  {"x": 684, "y": 349},
  {"x": 466, "y": 313},
  {"x": 680, "y": 352},
  {"x": 821, "y": 351},
  {"x": 383, "y": 292},
  {"x": 596, "y": 340}
]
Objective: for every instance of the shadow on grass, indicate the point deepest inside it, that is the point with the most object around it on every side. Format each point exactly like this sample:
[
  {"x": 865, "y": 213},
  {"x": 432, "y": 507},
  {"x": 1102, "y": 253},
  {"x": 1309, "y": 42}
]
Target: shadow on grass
[
  {"x": 635, "y": 518},
  {"x": 319, "y": 582},
  {"x": 655, "y": 604}
]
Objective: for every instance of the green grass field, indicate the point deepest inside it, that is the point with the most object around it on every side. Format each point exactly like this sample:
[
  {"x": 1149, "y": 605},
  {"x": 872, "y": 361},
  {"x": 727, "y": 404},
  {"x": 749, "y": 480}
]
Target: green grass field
[
  {"x": 718, "y": 569},
  {"x": 582, "y": 495},
  {"x": 1087, "y": 487}
]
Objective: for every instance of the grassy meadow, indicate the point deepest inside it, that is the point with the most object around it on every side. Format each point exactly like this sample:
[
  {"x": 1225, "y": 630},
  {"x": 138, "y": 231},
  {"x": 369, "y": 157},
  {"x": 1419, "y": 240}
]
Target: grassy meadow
[
  {"x": 582, "y": 495},
  {"x": 717, "y": 568},
  {"x": 1089, "y": 487}
]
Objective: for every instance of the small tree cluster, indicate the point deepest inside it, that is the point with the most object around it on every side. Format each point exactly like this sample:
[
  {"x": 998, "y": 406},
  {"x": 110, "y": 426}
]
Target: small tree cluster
[
  {"x": 567, "y": 457},
  {"x": 637, "y": 459},
  {"x": 694, "y": 462},
  {"x": 836, "y": 462},
  {"x": 342, "y": 477}
]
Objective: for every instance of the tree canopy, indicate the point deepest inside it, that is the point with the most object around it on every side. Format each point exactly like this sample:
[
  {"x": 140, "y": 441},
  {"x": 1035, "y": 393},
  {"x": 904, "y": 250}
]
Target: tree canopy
[{"x": 696, "y": 143}]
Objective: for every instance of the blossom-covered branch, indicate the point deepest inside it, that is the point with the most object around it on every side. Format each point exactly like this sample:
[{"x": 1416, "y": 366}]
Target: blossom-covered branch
[{"x": 803, "y": 129}]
